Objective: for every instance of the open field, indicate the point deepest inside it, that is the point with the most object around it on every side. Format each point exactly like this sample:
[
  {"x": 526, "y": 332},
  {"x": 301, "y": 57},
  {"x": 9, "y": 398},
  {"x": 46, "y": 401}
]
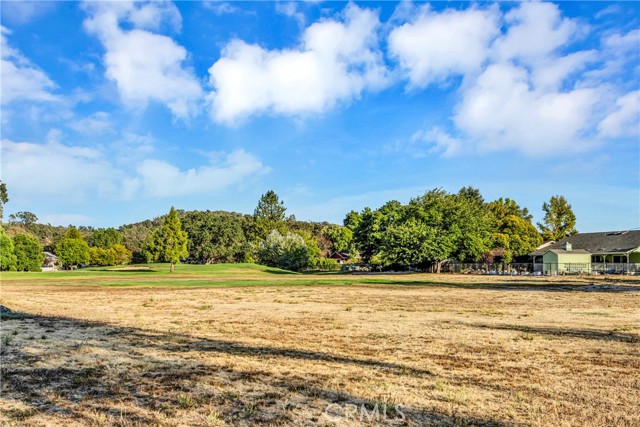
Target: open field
[{"x": 248, "y": 346}]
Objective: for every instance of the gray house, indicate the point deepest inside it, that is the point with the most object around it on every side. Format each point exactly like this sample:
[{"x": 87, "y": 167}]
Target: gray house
[{"x": 604, "y": 252}]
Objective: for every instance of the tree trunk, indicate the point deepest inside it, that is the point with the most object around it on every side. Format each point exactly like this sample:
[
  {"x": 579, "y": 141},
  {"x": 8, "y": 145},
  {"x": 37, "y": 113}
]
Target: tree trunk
[
  {"x": 438, "y": 264},
  {"x": 171, "y": 269}
]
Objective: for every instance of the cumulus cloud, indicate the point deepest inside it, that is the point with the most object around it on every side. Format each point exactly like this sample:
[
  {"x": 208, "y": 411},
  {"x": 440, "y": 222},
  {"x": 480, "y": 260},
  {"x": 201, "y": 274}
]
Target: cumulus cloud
[
  {"x": 526, "y": 88},
  {"x": 336, "y": 61},
  {"x": 96, "y": 123},
  {"x": 23, "y": 12},
  {"x": 145, "y": 66},
  {"x": 434, "y": 46},
  {"x": 161, "y": 179},
  {"x": 290, "y": 9},
  {"x": 55, "y": 170},
  {"x": 625, "y": 119},
  {"x": 21, "y": 80},
  {"x": 502, "y": 111},
  {"x": 535, "y": 31}
]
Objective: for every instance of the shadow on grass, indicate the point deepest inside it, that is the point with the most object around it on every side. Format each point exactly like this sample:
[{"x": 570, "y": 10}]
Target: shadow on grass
[
  {"x": 518, "y": 286},
  {"x": 588, "y": 334},
  {"x": 138, "y": 377}
]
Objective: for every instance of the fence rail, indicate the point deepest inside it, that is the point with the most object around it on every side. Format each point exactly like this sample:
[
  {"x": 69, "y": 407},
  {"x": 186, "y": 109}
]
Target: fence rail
[{"x": 541, "y": 268}]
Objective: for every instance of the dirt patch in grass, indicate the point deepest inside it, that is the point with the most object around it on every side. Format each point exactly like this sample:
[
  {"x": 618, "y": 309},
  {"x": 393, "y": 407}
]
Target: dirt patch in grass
[{"x": 441, "y": 354}]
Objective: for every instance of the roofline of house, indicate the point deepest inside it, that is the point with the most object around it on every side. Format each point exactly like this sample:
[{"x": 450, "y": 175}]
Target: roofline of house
[{"x": 588, "y": 251}]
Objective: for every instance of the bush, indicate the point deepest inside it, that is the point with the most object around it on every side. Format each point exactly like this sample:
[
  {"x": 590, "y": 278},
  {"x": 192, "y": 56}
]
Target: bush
[
  {"x": 115, "y": 255},
  {"x": 73, "y": 252},
  {"x": 29, "y": 253},
  {"x": 288, "y": 251},
  {"x": 328, "y": 264},
  {"x": 7, "y": 254}
]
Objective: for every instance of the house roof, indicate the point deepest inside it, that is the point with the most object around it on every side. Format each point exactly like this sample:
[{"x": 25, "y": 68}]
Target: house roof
[
  {"x": 563, "y": 251},
  {"x": 341, "y": 255},
  {"x": 607, "y": 242}
]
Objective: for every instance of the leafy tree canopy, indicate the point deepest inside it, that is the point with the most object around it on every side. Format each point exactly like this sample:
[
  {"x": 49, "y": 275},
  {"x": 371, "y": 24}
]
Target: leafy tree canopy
[
  {"x": 7, "y": 255},
  {"x": 289, "y": 251},
  {"x": 215, "y": 237},
  {"x": 269, "y": 215},
  {"x": 559, "y": 220},
  {"x": 72, "y": 252},
  {"x": 106, "y": 238},
  {"x": 29, "y": 253},
  {"x": 25, "y": 218}
]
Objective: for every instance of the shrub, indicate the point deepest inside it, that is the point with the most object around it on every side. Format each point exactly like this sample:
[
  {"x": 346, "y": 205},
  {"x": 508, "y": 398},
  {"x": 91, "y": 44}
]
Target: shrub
[
  {"x": 7, "y": 254},
  {"x": 72, "y": 252},
  {"x": 29, "y": 253},
  {"x": 288, "y": 251}
]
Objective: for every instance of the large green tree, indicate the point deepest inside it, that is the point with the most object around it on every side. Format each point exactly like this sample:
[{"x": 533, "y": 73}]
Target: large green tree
[
  {"x": 436, "y": 210},
  {"x": 25, "y": 218},
  {"x": 106, "y": 238},
  {"x": 29, "y": 253},
  {"x": 73, "y": 250},
  {"x": 408, "y": 244},
  {"x": 559, "y": 220},
  {"x": 341, "y": 238},
  {"x": 169, "y": 242},
  {"x": 7, "y": 254},
  {"x": 513, "y": 229},
  {"x": 269, "y": 215},
  {"x": 473, "y": 222},
  {"x": 215, "y": 237}
]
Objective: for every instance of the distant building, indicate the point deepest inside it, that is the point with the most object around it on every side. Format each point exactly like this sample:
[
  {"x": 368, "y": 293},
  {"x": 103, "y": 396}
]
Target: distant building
[
  {"x": 341, "y": 257},
  {"x": 50, "y": 260},
  {"x": 604, "y": 252}
]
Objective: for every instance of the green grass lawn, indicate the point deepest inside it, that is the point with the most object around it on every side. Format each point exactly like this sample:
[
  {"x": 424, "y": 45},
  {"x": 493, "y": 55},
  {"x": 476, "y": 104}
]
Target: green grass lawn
[
  {"x": 185, "y": 275},
  {"x": 234, "y": 275}
]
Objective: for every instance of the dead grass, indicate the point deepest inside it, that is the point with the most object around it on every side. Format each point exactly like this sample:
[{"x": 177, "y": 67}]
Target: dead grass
[{"x": 483, "y": 352}]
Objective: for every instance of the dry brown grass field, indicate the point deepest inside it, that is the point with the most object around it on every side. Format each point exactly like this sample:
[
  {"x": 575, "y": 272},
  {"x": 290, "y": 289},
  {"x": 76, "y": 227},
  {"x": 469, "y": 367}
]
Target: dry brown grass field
[{"x": 415, "y": 350}]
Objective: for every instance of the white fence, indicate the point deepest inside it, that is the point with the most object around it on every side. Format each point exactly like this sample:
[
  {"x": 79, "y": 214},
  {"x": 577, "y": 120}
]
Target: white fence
[{"x": 541, "y": 268}]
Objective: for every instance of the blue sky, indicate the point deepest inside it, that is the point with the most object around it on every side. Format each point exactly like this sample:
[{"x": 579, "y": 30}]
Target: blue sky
[{"x": 113, "y": 112}]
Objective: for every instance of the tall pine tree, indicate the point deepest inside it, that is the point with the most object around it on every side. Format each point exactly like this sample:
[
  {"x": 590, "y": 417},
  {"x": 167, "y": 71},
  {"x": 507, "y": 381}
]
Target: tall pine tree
[{"x": 171, "y": 240}]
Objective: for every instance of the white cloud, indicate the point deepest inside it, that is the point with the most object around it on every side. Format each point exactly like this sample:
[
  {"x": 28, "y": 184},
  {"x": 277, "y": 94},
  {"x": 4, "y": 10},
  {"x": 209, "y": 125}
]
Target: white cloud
[
  {"x": 145, "y": 66},
  {"x": 161, "y": 179},
  {"x": 536, "y": 30},
  {"x": 502, "y": 111},
  {"x": 54, "y": 170},
  {"x": 424, "y": 143},
  {"x": 23, "y": 12},
  {"x": 290, "y": 9},
  {"x": 21, "y": 80},
  {"x": 336, "y": 61},
  {"x": 620, "y": 51},
  {"x": 528, "y": 90},
  {"x": 96, "y": 123},
  {"x": 434, "y": 46},
  {"x": 625, "y": 119},
  {"x": 439, "y": 141},
  {"x": 220, "y": 7}
]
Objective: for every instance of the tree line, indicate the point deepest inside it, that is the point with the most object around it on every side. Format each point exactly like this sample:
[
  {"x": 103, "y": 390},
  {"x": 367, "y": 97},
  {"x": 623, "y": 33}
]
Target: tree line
[{"x": 422, "y": 233}]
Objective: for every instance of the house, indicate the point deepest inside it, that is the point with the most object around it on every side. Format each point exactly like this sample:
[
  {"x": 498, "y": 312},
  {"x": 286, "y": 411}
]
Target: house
[
  {"x": 604, "y": 252},
  {"x": 50, "y": 261},
  {"x": 341, "y": 257}
]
